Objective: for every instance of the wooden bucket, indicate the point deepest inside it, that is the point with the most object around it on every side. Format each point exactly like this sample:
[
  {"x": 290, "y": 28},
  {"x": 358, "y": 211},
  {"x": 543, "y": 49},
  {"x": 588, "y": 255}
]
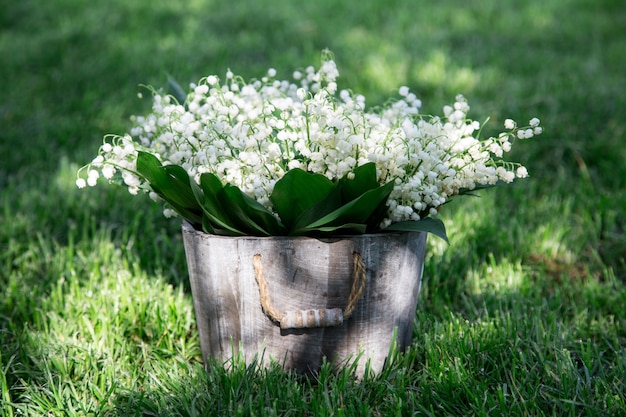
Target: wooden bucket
[{"x": 296, "y": 300}]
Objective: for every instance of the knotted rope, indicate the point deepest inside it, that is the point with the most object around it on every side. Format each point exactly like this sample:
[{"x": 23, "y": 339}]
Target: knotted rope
[{"x": 324, "y": 317}]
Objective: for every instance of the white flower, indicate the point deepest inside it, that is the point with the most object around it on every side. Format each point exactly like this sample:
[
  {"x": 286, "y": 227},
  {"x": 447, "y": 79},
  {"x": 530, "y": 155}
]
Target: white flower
[
  {"x": 131, "y": 179},
  {"x": 293, "y": 164},
  {"x": 169, "y": 213},
  {"x": 201, "y": 90},
  {"x": 249, "y": 134},
  {"x": 92, "y": 177},
  {"x": 108, "y": 171},
  {"x": 301, "y": 94}
]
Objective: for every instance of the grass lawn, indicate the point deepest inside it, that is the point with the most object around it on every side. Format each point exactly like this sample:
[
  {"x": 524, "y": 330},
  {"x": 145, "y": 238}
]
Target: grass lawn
[{"x": 524, "y": 313}]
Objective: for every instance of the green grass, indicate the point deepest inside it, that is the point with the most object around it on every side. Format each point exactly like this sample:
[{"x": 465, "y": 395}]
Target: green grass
[{"x": 524, "y": 312}]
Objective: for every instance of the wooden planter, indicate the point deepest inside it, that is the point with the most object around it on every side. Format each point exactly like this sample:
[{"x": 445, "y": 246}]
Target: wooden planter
[{"x": 297, "y": 300}]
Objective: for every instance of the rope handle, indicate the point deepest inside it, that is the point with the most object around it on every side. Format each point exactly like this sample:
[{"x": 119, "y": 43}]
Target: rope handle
[{"x": 305, "y": 319}]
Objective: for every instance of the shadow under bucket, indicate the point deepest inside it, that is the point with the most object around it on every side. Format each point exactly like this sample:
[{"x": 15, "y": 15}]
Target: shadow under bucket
[{"x": 296, "y": 300}]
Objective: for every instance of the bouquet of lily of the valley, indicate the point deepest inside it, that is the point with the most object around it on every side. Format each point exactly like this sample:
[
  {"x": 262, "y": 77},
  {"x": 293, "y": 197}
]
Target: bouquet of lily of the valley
[{"x": 271, "y": 157}]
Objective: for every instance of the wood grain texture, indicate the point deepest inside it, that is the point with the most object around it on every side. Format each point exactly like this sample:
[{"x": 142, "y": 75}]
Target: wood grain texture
[{"x": 304, "y": 274}]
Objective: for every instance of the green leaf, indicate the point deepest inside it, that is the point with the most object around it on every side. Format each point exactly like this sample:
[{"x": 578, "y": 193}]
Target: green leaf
[
  {"x": 215, "y": 214},
  {"x": 377, "y": 216},
  {"x": 478, "y": 187},
  {"x": 364, "y": 180},
  {"x": 172, "y": 184},
  {"x": 207, "y": 227},
  {"x": 296, "y": 192},
  {"x": 427, "y": 224},
  {"x": 358, "y": 211},
  {"x": 324, "y": 207},
  {"x": 368, "y": 210},
  {"x": 251, "y": 214},
  {"x": 237, "y": 213},
  {"x": 348, "y": 228},
  {"x": 176, "y": 90}
]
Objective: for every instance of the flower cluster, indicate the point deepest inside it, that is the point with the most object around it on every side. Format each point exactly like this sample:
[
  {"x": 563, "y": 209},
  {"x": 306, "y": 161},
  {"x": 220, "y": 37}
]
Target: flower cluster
[{"x": 250, "y": 134}]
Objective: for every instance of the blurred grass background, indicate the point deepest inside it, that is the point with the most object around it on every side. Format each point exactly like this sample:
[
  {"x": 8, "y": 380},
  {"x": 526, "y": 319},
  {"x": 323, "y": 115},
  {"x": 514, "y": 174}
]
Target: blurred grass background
[{"x": 523, "y": 314}]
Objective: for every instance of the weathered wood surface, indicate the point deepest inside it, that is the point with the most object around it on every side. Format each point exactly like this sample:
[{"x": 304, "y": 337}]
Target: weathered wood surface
[{"x": 304, "y": 274}]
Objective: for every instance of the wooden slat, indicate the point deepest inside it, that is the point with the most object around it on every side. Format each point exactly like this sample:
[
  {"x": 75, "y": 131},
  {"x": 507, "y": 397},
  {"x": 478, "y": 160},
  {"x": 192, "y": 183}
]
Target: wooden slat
[{"x": 304, "y": 274}]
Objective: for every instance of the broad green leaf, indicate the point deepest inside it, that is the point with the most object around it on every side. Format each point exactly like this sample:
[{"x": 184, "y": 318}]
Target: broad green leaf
[
  {"x": 345, "y": 191},
  {"x": 249, "y": 215},
  {"x": 150, "y": 167},
  {"x": 207, "y": 227},
  {"x": 214, "y": 210},
  {"x": 325, "y": 207},
  {"x": 166, "y": 180},
  {"x": 348, "y": 228},
  {"x": 296, "y": 192},
  {"x": 377, "y": 216},
  {"x": 180, "y": 174},
  {"x": 478, "y": 187},
  {"x": 358, "y": 210},
  {"x": 364, "y": 180},
  {"x": 427, "y": 224},
  {"x": 245, "y": 217},
  {"x": 172, "y": 184}
]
